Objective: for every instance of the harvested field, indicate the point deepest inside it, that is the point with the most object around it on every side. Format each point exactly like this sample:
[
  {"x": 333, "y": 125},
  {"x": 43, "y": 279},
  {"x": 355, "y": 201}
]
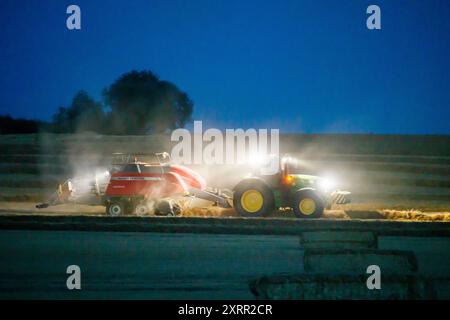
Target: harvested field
[
  {"x": 19, "y": 208},
  {"x": 390, "y": 177}
]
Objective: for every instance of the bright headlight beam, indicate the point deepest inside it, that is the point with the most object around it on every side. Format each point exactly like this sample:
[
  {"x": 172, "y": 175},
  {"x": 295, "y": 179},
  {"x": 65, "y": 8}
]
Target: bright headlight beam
[
  {"x": 257, "y": 160},
  {"x": 326, "y": 184}
]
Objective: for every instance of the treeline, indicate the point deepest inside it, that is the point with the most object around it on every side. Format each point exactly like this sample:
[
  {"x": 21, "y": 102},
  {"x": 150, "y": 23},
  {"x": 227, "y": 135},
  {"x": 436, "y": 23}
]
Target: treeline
[
  {"x": 9, "y": 125},
  {"x": 136, "y": 103}
]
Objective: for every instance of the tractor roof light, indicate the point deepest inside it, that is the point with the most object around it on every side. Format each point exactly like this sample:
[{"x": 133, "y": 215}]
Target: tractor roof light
[{"x": 257, "y": 160}]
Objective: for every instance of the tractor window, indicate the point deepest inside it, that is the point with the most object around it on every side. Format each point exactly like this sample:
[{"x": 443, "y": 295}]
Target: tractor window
[{"x": 293, "y": 167}]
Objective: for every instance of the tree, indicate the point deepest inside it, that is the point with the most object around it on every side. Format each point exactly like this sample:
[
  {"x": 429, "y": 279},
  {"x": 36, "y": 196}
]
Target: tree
[
  {"x": 141, "y": 103},
  {"x": 84, "y": 114}
]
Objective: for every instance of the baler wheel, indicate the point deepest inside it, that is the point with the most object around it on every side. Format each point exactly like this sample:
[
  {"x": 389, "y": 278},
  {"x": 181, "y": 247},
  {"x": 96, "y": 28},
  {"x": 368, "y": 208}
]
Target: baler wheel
[
  {"x": 141, "y": 210},
  {"x": 115, "y": 209}
]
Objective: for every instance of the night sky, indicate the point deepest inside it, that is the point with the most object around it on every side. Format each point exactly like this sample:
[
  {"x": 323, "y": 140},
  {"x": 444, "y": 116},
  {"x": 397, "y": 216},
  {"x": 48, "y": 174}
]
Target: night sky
[{"x": 301, "y": 66}]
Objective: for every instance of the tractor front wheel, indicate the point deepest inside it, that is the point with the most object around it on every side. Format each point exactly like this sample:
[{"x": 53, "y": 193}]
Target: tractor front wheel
[{"x": 307, "y": 204}]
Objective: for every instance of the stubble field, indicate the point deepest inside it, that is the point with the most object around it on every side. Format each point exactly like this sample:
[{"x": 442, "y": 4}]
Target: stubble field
[{"x": 390, "y": 176}]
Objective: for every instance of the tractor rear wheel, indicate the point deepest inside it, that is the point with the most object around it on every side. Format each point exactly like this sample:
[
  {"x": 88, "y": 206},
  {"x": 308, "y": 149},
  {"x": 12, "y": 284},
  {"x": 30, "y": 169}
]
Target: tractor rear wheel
[
  {"x": 115, "y": 209},
  {"x": 307, "y": 204},
  {"x": 253, "y": 198}
]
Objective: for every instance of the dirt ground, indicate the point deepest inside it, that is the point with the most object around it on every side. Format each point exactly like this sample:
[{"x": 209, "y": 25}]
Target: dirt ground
[{"x": 347, "y": 212}]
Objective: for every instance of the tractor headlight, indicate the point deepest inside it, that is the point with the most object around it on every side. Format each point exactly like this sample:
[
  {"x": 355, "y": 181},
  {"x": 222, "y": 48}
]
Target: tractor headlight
[{"x": 326, "y": 184}]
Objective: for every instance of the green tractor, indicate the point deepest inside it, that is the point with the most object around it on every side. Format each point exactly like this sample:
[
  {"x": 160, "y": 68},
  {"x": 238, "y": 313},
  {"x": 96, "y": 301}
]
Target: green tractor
[{"x": 258, "y": 195}]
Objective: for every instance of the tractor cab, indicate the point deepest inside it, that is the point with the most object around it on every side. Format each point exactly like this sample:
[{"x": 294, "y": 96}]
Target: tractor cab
[{"x": 287, "y": 170}]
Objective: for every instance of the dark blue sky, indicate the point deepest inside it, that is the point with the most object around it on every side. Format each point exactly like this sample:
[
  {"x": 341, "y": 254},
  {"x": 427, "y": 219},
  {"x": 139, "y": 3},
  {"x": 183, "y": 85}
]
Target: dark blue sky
[{"x": 305, "y": 66}]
